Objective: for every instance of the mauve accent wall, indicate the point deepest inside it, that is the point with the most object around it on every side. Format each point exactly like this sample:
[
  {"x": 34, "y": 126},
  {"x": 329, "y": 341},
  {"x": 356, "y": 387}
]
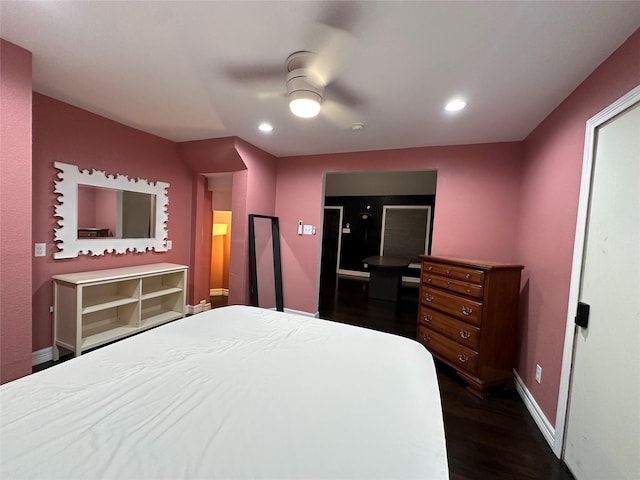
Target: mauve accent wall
[
  {"x": 547, "y": 217},
  {"x": 68, "y": 134},
  {"x": 475, "y": 215},
  {"x": 254, "y": 191},
  {"x": 15, "y": 211}
]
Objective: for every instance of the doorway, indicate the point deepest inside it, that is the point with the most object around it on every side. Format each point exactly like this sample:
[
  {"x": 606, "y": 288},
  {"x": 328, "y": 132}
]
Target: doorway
[
  {"x": 220, "y": 185},
  {"x": 220, "y": 255},
  {"x": 598, "y": 415},
  {"x": 354, "y": 207},
  {"x": 331, "y": 243}
]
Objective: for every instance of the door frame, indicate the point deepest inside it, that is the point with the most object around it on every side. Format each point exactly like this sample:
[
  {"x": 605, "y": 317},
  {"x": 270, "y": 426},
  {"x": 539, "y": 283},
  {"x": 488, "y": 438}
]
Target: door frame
[
  {"x": 341, "y": 210},
  {"x": 617, "y": 107}
]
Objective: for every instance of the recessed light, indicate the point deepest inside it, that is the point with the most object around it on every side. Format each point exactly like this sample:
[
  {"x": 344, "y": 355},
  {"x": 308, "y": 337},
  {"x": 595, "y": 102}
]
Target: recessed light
[
  {"x": 357, "y": 126},
  {"x": 455, "y": 105},
  {"x": 265, "y": 127}
]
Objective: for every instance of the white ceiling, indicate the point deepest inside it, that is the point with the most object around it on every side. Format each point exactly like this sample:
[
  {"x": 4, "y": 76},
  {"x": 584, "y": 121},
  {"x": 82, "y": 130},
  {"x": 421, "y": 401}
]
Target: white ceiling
[{"x": 180, "y": 69}]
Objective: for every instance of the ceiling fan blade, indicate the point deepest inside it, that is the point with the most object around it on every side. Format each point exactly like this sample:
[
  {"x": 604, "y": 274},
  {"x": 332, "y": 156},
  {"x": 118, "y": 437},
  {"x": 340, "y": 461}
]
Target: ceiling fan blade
[
  {"x": 339, "y": 114},
  {"x": 270, "y": 95},
  {"x": 334, "y": 48},
  {"x": 342, "y": 15},
  {"x": 254, "y": 73},
  {"x": 344, "y": 94}
]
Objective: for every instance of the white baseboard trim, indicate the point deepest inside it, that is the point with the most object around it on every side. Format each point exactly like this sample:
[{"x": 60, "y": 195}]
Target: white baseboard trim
[
  {"x": 41, "y": 356},
  {"x": 357, "y": 273},
  {"x": 548, "y": 431},
  {"x": 216, "y": 292},
  {"x": 353, "y": 273},
  {"x": 304, "y": 314}
]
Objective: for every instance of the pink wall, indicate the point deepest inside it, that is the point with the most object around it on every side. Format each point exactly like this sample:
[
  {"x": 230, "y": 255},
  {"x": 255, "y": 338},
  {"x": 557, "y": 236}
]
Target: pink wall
[
  {"x": 68, "y": 134},
  {"x": 106, "y": 209},
  {"x": 254, "y": 191},
  {"x": 475, "y": 211},
  {"x": 86, "y": 206},
  {"x": 264, "y": 263},
  {"x": 202, "y": 221},
  {"x": 15, "y": 210},
  {"x": 547, "y": 216},
  {"x": 207, "y": 156}
]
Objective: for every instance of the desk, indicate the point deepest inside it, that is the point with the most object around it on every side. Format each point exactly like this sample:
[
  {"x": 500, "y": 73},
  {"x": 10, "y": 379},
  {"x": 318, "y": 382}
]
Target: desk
[{"x": 385, "y": 277}]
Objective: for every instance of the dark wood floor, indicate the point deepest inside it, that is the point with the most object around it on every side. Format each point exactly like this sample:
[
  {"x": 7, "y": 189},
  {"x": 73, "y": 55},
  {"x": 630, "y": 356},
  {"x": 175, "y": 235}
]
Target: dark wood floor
[{"x": 494, "y": 438}]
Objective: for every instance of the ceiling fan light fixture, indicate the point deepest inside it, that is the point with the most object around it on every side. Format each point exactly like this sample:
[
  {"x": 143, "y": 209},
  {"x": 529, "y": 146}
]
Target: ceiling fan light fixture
[
  {"x": 304, "y": 104},
  {"x": 455, "y": 105}
]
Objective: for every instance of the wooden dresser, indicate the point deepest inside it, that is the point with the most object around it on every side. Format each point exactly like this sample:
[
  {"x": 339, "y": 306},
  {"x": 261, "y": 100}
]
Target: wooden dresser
[{"x": 468, "y": 317}]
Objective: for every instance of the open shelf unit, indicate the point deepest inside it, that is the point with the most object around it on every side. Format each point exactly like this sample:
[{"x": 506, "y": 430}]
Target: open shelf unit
[{"x": 98, "y": 307}]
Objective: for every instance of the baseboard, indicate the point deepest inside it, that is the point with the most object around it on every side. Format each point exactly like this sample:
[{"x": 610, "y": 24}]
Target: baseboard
[
  {"x": 353, "y": 273},
  {"x": 217, "y": 292},
  {"x": 300, "y": 312},
  {"x": 359, "y": 274},
  {"x": 203, "y": 306},
  {"x": 548, "y": 431},
  {"x": 42, "y": 356}
]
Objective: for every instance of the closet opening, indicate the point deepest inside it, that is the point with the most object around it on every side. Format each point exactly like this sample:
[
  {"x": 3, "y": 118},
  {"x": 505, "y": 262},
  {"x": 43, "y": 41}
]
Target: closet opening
[{"x": 220, "y": 186}]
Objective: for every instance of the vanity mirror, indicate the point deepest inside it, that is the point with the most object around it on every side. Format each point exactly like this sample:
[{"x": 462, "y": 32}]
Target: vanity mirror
[{"x": 99, "y": 213}]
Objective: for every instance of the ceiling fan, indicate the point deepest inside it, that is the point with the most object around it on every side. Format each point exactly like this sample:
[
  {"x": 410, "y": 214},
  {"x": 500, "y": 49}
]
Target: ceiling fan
[
  {"x": 311, "y": 82},
  {"x": 304, "y": 85}
]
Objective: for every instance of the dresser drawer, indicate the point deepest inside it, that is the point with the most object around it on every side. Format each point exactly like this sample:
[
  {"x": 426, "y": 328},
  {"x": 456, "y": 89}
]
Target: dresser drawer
[
  {"x": 459, "y": 307},
  {"x": 457, "y": 273},
  {"x": 457, "y": 286},
  {"x": 460, "y": 356},
  {"x": 461, "y": 332}
]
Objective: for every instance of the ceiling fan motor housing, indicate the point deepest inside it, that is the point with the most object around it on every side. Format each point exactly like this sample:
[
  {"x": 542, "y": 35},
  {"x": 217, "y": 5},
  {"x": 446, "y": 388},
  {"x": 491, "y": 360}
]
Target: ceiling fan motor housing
[{"x": 301, "y": 78}]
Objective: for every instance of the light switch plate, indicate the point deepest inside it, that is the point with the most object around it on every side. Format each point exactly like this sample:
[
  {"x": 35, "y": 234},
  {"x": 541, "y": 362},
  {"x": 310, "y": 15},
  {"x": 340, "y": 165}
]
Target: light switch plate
[
  {"x": 169, "y": 244},
  {"x": 40, "y": 250},
  {"x": 308, "y": 230}
]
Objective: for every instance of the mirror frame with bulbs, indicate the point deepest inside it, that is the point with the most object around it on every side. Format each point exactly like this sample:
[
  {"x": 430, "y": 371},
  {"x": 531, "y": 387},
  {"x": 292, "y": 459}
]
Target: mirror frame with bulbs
[{"x": 66, "y": 211}]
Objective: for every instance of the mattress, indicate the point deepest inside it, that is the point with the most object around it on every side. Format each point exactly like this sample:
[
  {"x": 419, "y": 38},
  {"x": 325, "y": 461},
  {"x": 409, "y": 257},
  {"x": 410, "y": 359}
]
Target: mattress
[{"x": 236, "y": 392}]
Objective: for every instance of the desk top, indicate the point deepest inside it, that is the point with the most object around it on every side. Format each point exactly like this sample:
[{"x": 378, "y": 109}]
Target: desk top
[{"x": 387, "y": 262}]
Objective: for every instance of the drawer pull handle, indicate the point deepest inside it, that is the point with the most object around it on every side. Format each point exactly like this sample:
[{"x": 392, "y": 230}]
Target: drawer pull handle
[
  {"x": 428, "y": 280},
  {"x": 467, "y": 276},
  {"x": 426, "y": 338},
  {"x": 427, "y": 318},
  {"x": 467, "y": 310},
  {"x": 448, "y": 284},
  {"x": 462, "y": 357},
  {"x": 448, "y": 271},
  {"x": 428, "y": 298},
  {"x": 429, "y": 269},
  {"x": 464, "y": 334}
]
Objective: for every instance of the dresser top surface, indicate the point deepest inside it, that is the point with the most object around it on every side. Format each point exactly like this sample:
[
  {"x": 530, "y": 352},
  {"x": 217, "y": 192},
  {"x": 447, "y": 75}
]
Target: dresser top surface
[
  {"x": 117, "y": 273},
  {"x": 463, "y": 262}
]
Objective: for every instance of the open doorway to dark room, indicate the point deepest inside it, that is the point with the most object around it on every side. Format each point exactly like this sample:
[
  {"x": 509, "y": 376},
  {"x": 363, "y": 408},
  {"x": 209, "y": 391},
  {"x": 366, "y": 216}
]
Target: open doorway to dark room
[{"x": 386, "y": 214}]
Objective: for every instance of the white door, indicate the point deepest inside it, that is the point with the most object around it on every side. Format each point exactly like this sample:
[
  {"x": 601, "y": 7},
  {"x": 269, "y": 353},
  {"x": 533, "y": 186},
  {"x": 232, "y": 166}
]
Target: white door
[{"x": 602, "y": 437}]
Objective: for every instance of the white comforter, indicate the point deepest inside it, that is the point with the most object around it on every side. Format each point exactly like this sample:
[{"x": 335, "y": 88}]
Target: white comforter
[{"x": 237, "y": 392}]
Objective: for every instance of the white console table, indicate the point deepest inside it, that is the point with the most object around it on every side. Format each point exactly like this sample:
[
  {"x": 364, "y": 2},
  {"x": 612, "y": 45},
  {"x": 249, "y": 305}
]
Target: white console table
[{"x": 98, "y": 307}]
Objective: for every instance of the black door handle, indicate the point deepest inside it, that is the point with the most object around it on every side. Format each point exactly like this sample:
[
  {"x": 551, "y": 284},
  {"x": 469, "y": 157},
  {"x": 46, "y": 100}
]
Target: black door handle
[{"x": 582, "y": 315}]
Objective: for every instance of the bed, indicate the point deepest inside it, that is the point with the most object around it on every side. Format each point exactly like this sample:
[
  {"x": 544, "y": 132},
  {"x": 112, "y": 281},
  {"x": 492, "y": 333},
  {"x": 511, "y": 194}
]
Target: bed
[{"x": 236, "y": 392}]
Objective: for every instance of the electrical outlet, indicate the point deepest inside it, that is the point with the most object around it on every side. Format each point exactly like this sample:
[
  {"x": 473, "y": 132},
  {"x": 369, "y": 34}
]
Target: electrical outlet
[{"x": 538, "y": 373}]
